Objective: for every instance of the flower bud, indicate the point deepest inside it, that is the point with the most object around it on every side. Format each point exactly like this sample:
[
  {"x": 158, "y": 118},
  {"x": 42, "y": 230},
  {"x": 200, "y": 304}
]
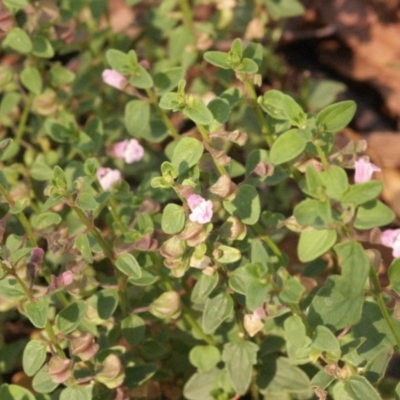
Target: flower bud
[
  {"x": 107, "y": 177},
  {"x": 178, "y": 266},
  {"x": 167, "y": 305},
  {"x": 114, "y": 79},
  {"x": 224, "y": 187},
  {"x": 252, "y": 324},
  {"x": 193, "y": 234},
  {"x": 111, "y": 372},
  {"x": 45, "y": 103},
  {"x": 173, "y": 248},
  {"x": 59, "y": 369},
  {"x": 84, "y": 346},
  {"x": 233, "y": 229}
]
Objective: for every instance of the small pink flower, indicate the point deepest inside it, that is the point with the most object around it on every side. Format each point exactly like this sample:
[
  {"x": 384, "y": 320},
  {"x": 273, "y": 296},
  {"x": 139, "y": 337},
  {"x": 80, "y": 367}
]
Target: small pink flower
[
  {"x": 364, "y": 170},
  {"x": 114, "y": 79},
  {"x": 107, "y": 177},
  {"x": 391, "y": 238},
  {"x": 259, "y": 313},
  {"x": 202, "y": 210},
  {"x": 130, "y": 150}
]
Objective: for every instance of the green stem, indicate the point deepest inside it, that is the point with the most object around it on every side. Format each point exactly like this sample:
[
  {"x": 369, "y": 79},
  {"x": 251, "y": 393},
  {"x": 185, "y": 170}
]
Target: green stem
[
  {"x": 322, "y": 156},
  {"x": 112, "y": 207},
  {"x": 109, "y": 253},
  {"x": 204, "y": 135},
  {"x": 48, "y": 327},
  {"x": 24, "y": 118},
  {"x": 187, "y": 14},
  {"x": 259, "y": 115},
  {"x": 271, "y": 244},
  {"x": 383, "y": 308},
  {"x": 171, "y": 128}
]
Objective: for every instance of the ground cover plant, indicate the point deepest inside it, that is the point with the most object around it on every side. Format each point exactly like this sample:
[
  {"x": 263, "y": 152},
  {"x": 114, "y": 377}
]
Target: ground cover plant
[{"x": 174, "y": 223}]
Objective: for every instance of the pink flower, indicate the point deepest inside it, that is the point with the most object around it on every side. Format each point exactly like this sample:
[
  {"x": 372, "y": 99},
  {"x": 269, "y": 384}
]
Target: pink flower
[
  {"x": 107, "y": 177},
  {"x": 391, "y": 238},
  {"x": 114, "y": 79},
  {"x": 202, "y": 210},
  {"x": 364, "y": 170},
  {"x": 130, "y": 150}
]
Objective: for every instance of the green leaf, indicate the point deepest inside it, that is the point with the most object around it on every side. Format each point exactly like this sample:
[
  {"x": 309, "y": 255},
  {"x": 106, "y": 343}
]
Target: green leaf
[
  {"x": 34, "y": 356},
  {"x": 137, "y": 118},
  {"x": 147, "y": 278},
  {"x": 336, "y": 116},
  {"x": 15, "y": 392},
  {"x": 173, "y": 219},
  {"x": 200, "y": 385},
  {"x": 335, "y": 305},
  {"x": 204, "y": 358},
  {"x": 8, "y": 102},
  {"x": 239, "y": 359},
  {"x": 254, "y": 51},
  {"x": 315, "y": 213},
  {"x": 246, "y": 205},
  {"x": 280, "y": 9},
  {"x": 217, "y": 58},
  {"x": 69, "y": 318},
  {"x": 247, "y": 66},
  {"x": 138, "y": 374},
  {"x": 128, "y": 264},
  {"x": 324, "y": 340},
  {"x": 83, "y": 246},
  {"x": 133, "y": 329},
  {"x": 125, "y": 64},
  {"x": 46, "y": 219},
  {"x": 288, "y": 146},
  {"x": 187, "y": 154},
  {"x": 336, "y": 182},
  {"x": 358, "y": 388},
  {"x": 32, "y": 80},
  {"x": 279, "y": 377},
  {"x": 292, "y": 291},
  {"x": 315, "y": 243},
  {"x": 394, "y": 275},
  {"x": 11, "y": 289},
  {"x": 220, "y": 110},
  {"x": 361, "y": 193},
  {"x": 37, "y": 311},
  {"x": 18, "y": 40},
  {"x": 86, "y": 200},
  {"x": 373, "y": 213},
  {"x": 281, "y": 106},
  {"x": 168, "y": 80},
  {"x": 14, "y": 5},
  {"x": 42, "y": 382},
  {"x": 373, "y": 330},
  {"x": 216, "y": 311},
  {"x": 60, "y": 76},
  {"x": 354, "y": 263},
  {"x": 106, "y": 302},
  {"x": 198, "y": 112},
  {"x": 204, "y": 286},
  {"x": 59, "y": 132},
  {"x": 42, "y": 47},
  {"x": 141, "y": 78},
  {"x": 295, "y": 331},
  {"x": 76, "y": 393}
]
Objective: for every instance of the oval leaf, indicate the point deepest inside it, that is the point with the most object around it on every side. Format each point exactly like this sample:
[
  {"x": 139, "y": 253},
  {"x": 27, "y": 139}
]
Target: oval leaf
[
  {"x": 336, "y": 116},
  {"x": 315, "y": 243}
]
